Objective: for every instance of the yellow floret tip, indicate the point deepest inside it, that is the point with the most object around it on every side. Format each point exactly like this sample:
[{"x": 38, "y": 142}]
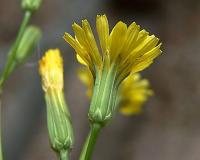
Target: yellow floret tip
[{"x": 51, "y": 70}]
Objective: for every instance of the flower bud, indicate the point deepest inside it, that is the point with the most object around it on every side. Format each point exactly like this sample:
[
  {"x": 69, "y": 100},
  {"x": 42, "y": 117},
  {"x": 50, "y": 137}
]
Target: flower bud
[
  {"x": 28, "y": 42},
  {"x": 58, "y": 116},
  {"x": 59, "y": 122},
  {"x": 31, "y": 5}
]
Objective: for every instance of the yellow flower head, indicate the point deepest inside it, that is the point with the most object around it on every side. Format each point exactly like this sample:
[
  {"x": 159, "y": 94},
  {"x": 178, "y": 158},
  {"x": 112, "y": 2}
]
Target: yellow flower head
[
  {"x": 132, "y": 94},
  {"x": 129, "y": 48},
  {"x": 51, "y": 70},
  {"x": 124, "y": 50}
]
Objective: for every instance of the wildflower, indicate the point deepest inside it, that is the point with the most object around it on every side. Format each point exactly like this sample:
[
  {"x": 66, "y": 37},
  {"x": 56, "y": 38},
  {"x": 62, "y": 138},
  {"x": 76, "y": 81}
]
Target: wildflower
[
  {"x": 58, "y": 116},
  {"x": 133, "y": 92},
  {"x": 124, "y": 51}
]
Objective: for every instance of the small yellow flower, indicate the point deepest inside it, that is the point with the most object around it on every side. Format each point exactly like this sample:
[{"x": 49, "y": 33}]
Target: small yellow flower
[
  {"x": 130, "y": 48},
  {"x": 132, "y": 94},
  {"x": 51, "y": 70}
]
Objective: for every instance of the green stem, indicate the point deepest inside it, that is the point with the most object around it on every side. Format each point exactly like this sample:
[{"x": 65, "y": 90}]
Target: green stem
[
  {"x": 12, "y": 53},
  {"x": 11, "y": 64},
  {"x": 64, "y": 155},
  {"x": 88, "y": 148},
  {"x": 1, "y": 152}
]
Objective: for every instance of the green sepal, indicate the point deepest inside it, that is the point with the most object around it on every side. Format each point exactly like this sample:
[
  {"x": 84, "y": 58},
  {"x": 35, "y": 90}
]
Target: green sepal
[
  {"x": 103, "y": 100},
  {"x": 59, "y": 121}
]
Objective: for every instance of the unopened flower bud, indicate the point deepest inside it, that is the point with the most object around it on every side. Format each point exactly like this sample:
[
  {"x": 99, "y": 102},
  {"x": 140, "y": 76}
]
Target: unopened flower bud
[
  {"x": 28, "y": 42},
  {"x": 31, "y": 5},
  {"x": 58, "y": 116}
]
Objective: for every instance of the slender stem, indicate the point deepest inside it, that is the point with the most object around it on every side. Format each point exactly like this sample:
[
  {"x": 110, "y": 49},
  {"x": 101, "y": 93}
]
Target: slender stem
[
  {"x": 64, "y": 155},
  {"x": 1, "y": 152},
  {"x": 12, "y": 53},
  {"x": 88, "y": 148},
  {"x": 11, "y": 64}
]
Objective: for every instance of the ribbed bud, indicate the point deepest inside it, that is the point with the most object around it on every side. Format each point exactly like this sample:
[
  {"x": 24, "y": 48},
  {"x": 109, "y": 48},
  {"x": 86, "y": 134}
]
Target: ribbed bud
[
  {"x": 28, "y": 42},
  {"x": 58, "y": 120},
  {"x": 31, "y": 5}
]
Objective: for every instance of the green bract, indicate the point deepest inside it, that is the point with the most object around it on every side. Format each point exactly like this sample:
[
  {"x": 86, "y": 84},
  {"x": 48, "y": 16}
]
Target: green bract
[
  {"x": 59, "y": 122},
  {"x": 104, "y": 96}
]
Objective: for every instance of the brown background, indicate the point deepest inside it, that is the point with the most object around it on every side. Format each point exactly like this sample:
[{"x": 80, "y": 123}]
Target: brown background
[{"x": 168, "y": 129}]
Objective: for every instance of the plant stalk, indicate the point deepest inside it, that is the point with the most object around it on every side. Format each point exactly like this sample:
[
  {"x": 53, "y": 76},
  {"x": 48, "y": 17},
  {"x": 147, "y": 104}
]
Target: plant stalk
[
  {"x": 1, "y": 152},
  {"x": 89, "y": 145},
  {"x": 64, "y": 155},
  {"x": 10, "y": 66}
]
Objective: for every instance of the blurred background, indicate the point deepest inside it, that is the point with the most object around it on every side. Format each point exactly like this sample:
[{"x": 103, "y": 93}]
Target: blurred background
[{"x": 168, "y": 128}]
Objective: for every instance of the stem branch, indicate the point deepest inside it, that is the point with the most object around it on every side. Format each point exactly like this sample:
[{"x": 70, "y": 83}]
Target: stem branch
[{"x": 12, "y": 53}]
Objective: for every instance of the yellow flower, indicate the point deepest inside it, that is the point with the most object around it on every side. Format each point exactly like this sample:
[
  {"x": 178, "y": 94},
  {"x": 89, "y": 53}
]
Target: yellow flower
[
  {"x": 124, "y": 51},
  {"x": 130, "y": 48},
  {"x": 51, "y": 70},
  {"x": 132, "y": 94}
]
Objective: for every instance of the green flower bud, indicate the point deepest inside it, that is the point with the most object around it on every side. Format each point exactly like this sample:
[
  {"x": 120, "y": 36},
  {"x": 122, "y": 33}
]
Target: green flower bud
[
  {"x": 59, "y": 123},
  {"x": 28, "y": 42},
  {"x": 31, "y": 5},
  {"x": 103, "y": 100}
]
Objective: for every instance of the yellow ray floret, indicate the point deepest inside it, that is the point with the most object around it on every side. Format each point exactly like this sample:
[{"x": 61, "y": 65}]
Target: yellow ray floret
[
  {"x": 129, "y": 47},
  {"x": 132, "y": 95},
  {"x": 51, "y": 70}
]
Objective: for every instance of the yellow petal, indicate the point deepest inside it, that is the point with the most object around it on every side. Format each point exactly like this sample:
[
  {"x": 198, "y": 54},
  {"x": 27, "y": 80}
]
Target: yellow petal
[
  {"x": 80, "y": 36},
  {"x": 92, "y": 43},
  {"x": 78, "y": 48},
  {"x": 80, "y": 60},
  {"x": 140, "y": 43},
  {"x": 149, "y": 43},
  {"x": 116, "y": 39},
  {"x": 103, "y": 32},
  {"x": 131, "y": 37},
  {"x": 141, "y": 66},
  {"x": 150, "y": 55}
]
